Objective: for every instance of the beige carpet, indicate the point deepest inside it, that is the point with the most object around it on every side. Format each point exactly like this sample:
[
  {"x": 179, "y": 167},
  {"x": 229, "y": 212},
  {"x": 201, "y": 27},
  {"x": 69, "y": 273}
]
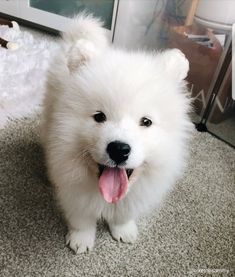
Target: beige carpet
[{"x": 191, "y": 235}]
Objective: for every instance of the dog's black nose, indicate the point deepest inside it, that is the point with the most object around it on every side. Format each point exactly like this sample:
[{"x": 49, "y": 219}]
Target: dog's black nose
[{"x": 118, "y": 151}]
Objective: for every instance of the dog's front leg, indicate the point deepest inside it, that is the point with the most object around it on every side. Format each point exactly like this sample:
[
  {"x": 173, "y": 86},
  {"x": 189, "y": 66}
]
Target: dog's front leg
[
  {"x": 81, "y": 234},
  {"x": 125, "y": 232}
]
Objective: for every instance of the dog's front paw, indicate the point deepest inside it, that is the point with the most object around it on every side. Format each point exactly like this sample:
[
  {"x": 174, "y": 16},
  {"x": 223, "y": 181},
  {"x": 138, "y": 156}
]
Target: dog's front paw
[
  {"x": 80, "y": 241},
  {"x": 127, "y": 232}
]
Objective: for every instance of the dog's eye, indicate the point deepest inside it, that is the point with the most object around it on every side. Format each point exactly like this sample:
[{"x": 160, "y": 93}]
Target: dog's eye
[
  {"x": 144, "y": 121},
  {"x": 99, "y": 117}
]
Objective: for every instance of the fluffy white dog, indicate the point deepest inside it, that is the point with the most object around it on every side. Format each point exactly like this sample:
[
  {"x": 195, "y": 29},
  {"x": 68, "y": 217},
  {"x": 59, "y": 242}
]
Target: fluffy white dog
[{"x": 114, "y": 129}]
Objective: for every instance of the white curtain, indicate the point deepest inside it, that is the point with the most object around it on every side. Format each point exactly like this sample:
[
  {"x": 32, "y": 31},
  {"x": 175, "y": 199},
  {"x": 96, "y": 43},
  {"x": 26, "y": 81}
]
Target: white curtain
[{"x": 136, "y": 25}]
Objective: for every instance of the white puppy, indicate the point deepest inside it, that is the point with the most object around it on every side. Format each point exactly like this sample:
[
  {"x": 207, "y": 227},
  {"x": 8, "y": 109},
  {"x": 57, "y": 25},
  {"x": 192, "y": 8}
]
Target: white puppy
[{"x": 114, "y": 129}]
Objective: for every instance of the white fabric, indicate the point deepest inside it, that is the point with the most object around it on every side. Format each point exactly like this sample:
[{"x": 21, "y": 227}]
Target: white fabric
[{"x": 22, "y": 73}]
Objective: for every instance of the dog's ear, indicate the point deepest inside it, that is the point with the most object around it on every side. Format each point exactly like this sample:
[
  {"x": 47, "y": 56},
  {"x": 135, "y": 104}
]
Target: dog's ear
[
  {"x": 84, "y": 39},
  {"x": 175, "y": 64},
  {"x": 80, "y": 53}
]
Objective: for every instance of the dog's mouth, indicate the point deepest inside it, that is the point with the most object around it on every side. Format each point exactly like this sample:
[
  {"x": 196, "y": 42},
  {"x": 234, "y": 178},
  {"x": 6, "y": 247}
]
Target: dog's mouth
[
  {"x": 102, "y": 167},
  {"x": 113, "y": 182}
]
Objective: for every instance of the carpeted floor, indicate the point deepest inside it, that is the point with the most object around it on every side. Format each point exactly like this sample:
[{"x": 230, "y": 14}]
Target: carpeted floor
[{"x": 191, "y": 235}]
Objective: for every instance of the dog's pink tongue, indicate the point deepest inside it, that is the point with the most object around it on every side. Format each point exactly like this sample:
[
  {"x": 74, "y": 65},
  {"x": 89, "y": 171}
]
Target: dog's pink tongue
[{"x": 113, "y": 184}]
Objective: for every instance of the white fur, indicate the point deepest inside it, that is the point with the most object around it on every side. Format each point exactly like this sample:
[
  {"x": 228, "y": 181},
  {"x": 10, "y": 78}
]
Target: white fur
[
  {"x": 23, "y": 72},
  {"x": 126, "y": 86},
  {"x": 15, "y": 25},
  {"x": 12, "y": 46},
  {"x": 126, "y": 232}
]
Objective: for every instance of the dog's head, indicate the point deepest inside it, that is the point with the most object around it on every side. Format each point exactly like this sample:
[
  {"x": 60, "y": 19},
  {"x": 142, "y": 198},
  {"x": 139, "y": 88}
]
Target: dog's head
[{"x": 127, "y": 114}]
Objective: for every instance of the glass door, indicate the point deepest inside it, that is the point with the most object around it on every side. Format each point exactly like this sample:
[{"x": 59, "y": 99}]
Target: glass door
[
  {"x": 102, "y": 9},
  {"x": 199, "y": 28},
  {"x": 56, "y": 14},
  {"x": 221, "y": 121}
]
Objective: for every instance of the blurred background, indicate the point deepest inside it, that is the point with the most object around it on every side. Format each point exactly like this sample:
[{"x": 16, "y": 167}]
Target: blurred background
[{"x": 202, "y": 29}]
